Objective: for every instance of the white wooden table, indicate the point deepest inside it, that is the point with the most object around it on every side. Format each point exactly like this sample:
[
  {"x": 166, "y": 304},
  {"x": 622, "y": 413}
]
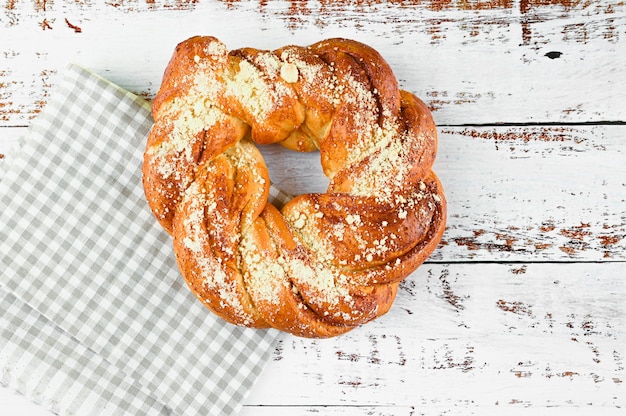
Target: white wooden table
[{"x": 521, "y": 308}]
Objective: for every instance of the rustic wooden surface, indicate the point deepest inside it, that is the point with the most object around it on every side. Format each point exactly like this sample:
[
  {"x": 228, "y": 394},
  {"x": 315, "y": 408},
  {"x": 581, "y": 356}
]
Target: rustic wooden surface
[{"x": 521, "y": 308}]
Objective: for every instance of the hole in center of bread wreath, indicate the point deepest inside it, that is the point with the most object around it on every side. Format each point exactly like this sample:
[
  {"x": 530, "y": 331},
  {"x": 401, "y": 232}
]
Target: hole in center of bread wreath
[
  {"x": 319, "y": 264},
  {"x": 294, "y": 173}
]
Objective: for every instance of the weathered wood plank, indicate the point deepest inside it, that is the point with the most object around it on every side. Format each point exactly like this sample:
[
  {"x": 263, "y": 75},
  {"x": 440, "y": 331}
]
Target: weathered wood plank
[
  {"x": 472, "y": 62},
  {"x": 514, "y": 193},
  {"x": 470, "y": 339},
  {"x": 535, "y": 193},
  {"x": 539, "y": 193},
  {"x": 504, "y": 336}
]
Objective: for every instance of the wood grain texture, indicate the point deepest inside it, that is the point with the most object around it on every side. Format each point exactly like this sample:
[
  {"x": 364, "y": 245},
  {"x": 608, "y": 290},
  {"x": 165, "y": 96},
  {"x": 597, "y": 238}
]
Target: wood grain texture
[
  {"x": 472, "y": 62},
  {"x": 500, "y": 336},
  {"x": 514, "y": 193},
  {"x": 525, "y": 193}
]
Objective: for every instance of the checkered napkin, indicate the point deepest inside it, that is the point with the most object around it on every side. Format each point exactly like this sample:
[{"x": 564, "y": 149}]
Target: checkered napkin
[{"x": 95, "y": 318}]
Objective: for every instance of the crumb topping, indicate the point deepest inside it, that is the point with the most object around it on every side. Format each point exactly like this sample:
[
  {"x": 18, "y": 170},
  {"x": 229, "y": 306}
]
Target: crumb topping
[{"x": 210, "y": 267}]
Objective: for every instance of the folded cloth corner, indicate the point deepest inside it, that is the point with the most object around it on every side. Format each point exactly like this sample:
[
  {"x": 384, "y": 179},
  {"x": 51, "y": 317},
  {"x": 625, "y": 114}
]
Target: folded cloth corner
[{"x": 95, "y": 317}]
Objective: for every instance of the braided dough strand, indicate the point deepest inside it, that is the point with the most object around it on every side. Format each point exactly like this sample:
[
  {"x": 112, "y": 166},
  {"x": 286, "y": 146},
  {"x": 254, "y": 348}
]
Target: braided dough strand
[{"x": 324, "y": 263}]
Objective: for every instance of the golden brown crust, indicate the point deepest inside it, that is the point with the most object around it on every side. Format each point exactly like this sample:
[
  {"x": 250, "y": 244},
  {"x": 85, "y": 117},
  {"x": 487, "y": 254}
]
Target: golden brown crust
[{"x": 325, "y": 263}]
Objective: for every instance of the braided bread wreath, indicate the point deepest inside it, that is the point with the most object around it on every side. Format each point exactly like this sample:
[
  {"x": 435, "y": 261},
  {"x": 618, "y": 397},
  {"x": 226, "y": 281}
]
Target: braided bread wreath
[{"x": 324, "y": 263}]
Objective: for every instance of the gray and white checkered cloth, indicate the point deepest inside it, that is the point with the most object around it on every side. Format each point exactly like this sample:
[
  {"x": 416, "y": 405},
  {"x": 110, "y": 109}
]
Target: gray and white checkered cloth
[{"x": 95, "y": 318}]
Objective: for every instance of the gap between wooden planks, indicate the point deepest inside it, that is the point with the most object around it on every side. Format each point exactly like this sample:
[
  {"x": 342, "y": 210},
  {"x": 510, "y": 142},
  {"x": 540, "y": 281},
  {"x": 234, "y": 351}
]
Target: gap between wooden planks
[{"x": 434, "y": 410}]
